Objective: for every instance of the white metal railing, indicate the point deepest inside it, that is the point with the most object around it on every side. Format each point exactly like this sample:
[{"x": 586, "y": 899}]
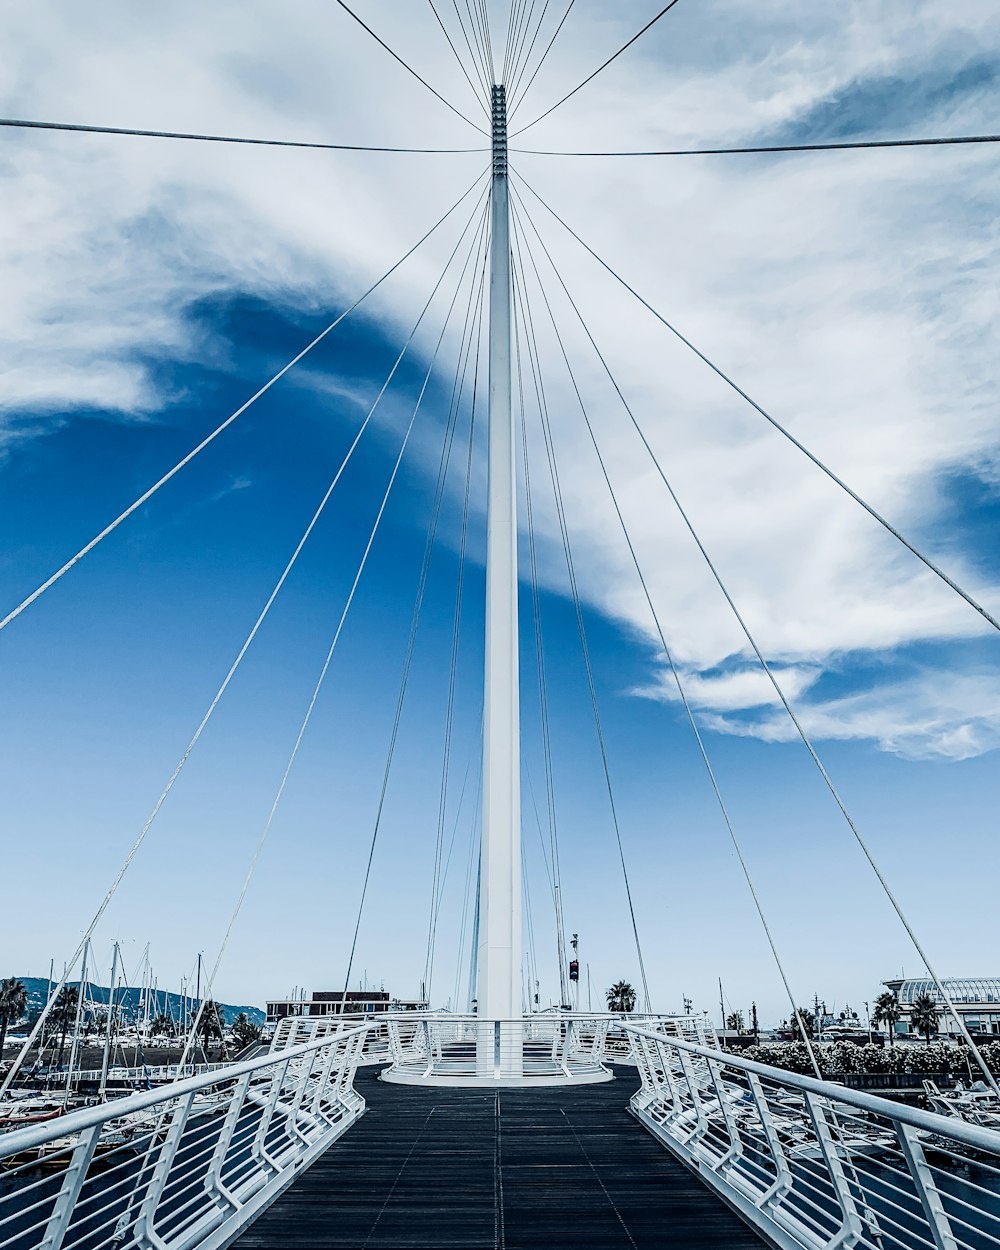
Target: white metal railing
[
  {"x": 812, "y": 1164},
  {"x": 293, "y": 1030},
  {"x": 545, "y": 1044},
  {"x": 142, "y": 1072},
  {"x": 184, "y": 1167},
  {"x": 558, "y": 1044}
]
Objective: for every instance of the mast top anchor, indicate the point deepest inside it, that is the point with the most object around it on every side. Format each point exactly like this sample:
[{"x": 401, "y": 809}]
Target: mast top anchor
[{"x": 499, "y": 131}]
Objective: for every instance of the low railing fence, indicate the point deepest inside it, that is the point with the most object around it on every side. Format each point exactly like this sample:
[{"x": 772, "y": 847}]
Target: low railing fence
[
  {"x": 183, "y": 1167},
  {"x": 812, "y": 1164},
  {"x": 144, "y": 1072},
  {"x": 293, "y": 1030},
  {"x": 541, "y": 1044}
]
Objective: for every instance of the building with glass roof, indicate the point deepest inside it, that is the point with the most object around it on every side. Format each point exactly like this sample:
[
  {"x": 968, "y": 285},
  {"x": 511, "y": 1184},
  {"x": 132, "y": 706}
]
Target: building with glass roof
[{"x": 975, "y": 999}]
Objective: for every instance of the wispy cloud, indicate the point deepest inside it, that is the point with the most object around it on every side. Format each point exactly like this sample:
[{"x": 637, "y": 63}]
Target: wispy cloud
[{"x": 854, "y": 294}]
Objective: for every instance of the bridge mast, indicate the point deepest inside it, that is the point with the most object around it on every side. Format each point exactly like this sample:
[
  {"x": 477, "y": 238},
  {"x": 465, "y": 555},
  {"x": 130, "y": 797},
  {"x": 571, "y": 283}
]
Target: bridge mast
[{"x": 499, "y": 955}]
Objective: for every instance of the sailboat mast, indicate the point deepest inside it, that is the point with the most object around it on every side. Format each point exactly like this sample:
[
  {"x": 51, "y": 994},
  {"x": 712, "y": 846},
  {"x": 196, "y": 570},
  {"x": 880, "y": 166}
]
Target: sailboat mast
[
  {"x": 102, "y": 1092},
  {"x": 74, "y": 1049},
  {"x": 498, "y": 982}
]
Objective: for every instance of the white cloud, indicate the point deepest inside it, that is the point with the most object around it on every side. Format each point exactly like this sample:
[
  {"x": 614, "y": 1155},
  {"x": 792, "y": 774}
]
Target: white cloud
[
  {"x": 933, "y": 716},
  {"x": 853, "y": 294}
]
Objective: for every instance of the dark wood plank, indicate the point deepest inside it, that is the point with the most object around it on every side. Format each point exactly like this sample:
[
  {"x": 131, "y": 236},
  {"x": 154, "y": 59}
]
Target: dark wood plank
[{"x": 432, "y": 1169}]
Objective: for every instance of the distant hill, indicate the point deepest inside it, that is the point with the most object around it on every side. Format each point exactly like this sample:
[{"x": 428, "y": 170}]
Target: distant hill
[{"x": 129, "y": 999}]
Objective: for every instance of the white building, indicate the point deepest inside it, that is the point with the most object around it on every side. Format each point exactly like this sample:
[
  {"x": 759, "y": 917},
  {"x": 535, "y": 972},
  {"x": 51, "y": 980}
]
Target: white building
[{"x": 976, "y": 1000}]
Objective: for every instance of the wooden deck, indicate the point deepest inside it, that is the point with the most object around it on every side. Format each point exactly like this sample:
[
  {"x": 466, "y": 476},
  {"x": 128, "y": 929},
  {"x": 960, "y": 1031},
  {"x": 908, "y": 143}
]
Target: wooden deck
[{"x": 430, "y": 1169}]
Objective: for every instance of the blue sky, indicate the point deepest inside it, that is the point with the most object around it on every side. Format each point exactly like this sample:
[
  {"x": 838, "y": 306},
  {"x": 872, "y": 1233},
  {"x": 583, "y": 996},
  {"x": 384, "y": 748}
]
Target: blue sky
[{"x": 153, "y": 287}]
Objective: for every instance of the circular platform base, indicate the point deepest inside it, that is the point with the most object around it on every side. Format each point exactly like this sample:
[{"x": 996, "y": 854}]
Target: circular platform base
[{"x": 471, "y": 1080}]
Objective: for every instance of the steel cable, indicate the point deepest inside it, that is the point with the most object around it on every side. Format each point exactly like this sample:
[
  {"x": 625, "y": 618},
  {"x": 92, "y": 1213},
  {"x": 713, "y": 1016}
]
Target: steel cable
[
  {"x": 305, "y": 722},
  {"x": 411, "y": 642},
  {"x": 210, "y": 438},
  {"x": 787, "y": 434},
  {"x": 574, "y": 589},
  {"x": 779, "y": 691},
  {"x": 590, "y": 77},
  {"x": 682, "y": 694},
  {"x": 436, "y": 884},
  {"x": 555, "y": 874},
  {"x": 847, "y": 146},
  {"x": 409, "y": 68},
  {"x": 14, "y": 123},
  {"x": 262, "y": 616},
  {"x": 461, "y": 64},
  {"x": 516, "y": 104}
]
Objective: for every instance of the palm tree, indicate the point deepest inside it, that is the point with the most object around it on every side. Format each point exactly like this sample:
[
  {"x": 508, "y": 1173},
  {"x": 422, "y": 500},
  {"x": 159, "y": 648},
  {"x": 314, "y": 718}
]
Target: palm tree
[
  {"x": 887, "y": 1011},
  {"x": 735, "y": 1021},
  {"x": 63, "y": 1014},
  {"x": 211, "y": 1023},
  {"x": 924, "y": 1016},
  {"x": 621, "y": 997},
  {"x": 13, "y": 1004},
  {"x": 808, "y": 1021},
  {"x": 163, "y": 1025},
  {"x": 245, "y": 1031}
]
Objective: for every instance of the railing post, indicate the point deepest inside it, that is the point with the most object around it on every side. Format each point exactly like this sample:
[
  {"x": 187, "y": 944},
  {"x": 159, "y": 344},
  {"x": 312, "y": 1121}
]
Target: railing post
[
  {"x": 145, "y": 1232},
  {"x": 783, "y": 1174},
  {"x": 923, "y": 1179},
  {"x": 851, "y": 1228},
  {"x": 302, "y": 1076},
  {"x": 69, "y": 1192},
  {"x": 258, "y": 1149},
  {"x": 701, "y": 1121},
  {"x": 735, "y": 1141},
  {"x": 213, "y": 1177},
  {"x": 323, "y": 1084}
]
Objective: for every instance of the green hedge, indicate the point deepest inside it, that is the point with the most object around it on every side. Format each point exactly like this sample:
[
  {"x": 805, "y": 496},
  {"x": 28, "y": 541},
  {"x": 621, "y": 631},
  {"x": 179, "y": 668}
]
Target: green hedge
[{"x": 837, "y": 1058}]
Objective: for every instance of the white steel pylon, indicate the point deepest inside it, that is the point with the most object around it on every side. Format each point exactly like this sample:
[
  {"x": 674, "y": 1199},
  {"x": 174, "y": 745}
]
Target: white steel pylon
[{"x": 499, "y": 955}]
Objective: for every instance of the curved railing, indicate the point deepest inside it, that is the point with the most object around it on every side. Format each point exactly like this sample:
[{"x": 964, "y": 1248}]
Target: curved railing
[
  {"x": 429, "y": 1045},
  {"x": 183, "y": 1167},
  {"x": 812, "y": 1164}
]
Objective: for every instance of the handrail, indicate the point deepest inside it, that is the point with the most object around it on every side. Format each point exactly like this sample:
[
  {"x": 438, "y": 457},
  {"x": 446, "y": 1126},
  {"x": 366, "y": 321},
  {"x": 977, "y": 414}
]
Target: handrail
[
  {"x": 816, "y": 1166},
  {"x": 186, "y": 1166},
  {"x": 19, "y": 1140},
  {"x": 930, "y": 1121}
]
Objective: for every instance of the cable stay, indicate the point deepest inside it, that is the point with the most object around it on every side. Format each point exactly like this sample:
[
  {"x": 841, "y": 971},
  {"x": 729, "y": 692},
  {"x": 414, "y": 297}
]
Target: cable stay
[
  {"x": 305, "y": 722},
  {"x": 472, "y": 43},
  {"x": 778, "y": 689},
  {"x": 590, "y": 77},
  {"x": 526, "y": 326},
  {"x": 409, "y": 68},
  {"x": 437, "y": 883},
  {"x": 473, "y": 860},
  {"x": 521, "y": 18},
  {"x": 779, "y": 963},
  {"x": 538, "y": 824},
  {"x": 516, "y": 100},
  {"x": 853, "y": 145},
  {"x": 555, "y": 874},
  {"x": 478, "y": 37},
  {"x": 477, "y": 744},
  {"x": 521, "y": 63},
  {"x": 205, "y": 442},
  {"x": 179, "y": 767},
  {"x": 530, "y": 964},
  {"x": 484, "y": 28},
  {"x": 411, "y": 641},
  {"x": 479, "y": 92},
  {"x": 17, "y": 123},
  {"x": 787, "y": 434}
]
